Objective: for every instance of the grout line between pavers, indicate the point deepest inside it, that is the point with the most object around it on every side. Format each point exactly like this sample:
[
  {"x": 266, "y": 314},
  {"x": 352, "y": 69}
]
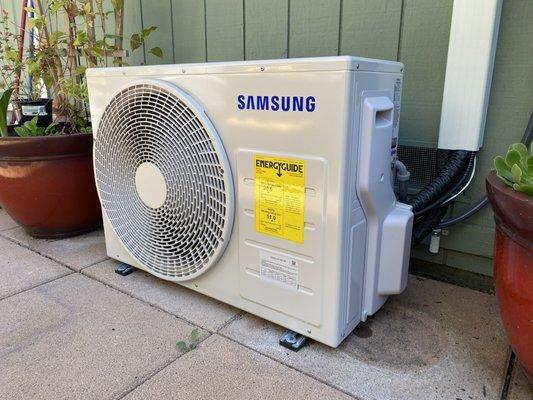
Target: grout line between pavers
[
  {"x": 39, "y": 284},
  {"x": 156, "y": 372},
  {"x": 106, "y": 258},
  {"x": 218, "y": 332},
  {"x": 237, "y": 316},
  {"x": 504, "y": 392},
  {"x": 146, "y": 302},
  {"x": 331, "y": 385},
  {"x": 24, "y": 245}
]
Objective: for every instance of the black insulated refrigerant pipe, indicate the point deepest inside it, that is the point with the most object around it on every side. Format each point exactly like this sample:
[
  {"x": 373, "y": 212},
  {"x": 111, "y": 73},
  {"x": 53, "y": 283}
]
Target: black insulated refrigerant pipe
[
  {"x": 451, "y": 177},
  {"x": 455, "y": 188},
  {"x": 453, "y": 170}
]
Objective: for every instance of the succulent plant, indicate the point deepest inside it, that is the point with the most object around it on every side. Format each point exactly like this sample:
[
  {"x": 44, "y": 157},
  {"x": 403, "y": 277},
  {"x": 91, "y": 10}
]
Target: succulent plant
[{"x": 516, "y": 169}]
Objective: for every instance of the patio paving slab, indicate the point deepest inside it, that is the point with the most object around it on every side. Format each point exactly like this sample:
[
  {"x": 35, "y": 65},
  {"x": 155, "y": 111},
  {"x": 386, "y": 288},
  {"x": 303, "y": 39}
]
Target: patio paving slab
[
  {"x": 76, "y": 252},
  {"x": 76, "y": 338},
  {"x": 21, "y": 269},
  {"x": 222, "y": 369},
  {"x": 435, "y": 341},
  {"x": 5, "y": 221},
  {"x": 171, "y": 297},
  {"x": 520, "y": 388}
]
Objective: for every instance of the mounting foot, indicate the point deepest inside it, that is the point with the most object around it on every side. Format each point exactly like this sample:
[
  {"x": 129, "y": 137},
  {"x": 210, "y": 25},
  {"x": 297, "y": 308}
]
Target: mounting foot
[
  {"x": 124, "y": 269},
  {"x": 292, "y": 340}
]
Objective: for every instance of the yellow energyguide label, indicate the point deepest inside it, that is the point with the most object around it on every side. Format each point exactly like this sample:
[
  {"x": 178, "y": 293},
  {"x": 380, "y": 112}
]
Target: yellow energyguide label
[{"x": 279, "y": 190}]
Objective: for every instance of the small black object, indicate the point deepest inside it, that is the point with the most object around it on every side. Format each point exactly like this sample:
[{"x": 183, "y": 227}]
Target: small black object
[
  {"x": 292, "y": 340},
  {"x": 124, "y": 269}
]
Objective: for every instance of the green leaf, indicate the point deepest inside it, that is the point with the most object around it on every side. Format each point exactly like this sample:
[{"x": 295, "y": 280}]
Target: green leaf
[
  {"x": 182, "y": 345},
  {"x": 4, "y": 105},
  {"x": 80, "y": 70},
  {"x": 156, "y": 51},
  {"x": 51, "y": 129},
  {"x": 502, "y": 168},
  {"x": 135, "y": 42},
  {"x": 513, "y": 157},
  {"x": 21, "y": 131},
  {"x": 520, "y": 148},
  {"x": 81, "y": 38},
  {"x": 529, "y": 164},
  {"x": 524, "y": 188},
  {"x": 30, "y": 128},
  {"x": 194, "y": 335},
  {"x": 32, "y": 10},
  {"x": 517, "y": 173},
  {"x": 146, "y": 31}
]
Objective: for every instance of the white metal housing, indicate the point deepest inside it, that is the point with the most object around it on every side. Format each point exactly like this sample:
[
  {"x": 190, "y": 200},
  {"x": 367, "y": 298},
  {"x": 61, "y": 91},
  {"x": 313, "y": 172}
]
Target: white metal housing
[
  {"x": 355, "y": 238},
  {"x": 473, "y": 39}
]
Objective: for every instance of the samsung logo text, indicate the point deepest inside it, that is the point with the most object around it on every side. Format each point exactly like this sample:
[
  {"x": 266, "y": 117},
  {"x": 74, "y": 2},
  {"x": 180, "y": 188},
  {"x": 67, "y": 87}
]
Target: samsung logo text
[{"x": 276, "y": 103}]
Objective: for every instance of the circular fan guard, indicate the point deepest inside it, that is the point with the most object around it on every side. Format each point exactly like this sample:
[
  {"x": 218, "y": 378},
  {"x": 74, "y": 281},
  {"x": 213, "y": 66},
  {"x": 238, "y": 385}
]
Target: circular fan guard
[{"x": 158, "y": 124}]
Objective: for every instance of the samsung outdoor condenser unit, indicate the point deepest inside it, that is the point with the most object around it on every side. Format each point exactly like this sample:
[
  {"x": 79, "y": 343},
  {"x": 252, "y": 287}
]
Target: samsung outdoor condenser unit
[{"x": 263, "y": 184}]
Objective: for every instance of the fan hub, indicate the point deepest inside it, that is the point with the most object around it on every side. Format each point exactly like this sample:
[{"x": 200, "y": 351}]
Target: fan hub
[{"x": 151, "y": 185}]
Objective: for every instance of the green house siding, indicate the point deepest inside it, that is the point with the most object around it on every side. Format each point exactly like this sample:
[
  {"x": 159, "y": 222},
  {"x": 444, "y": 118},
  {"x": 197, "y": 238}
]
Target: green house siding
[{"x": 415, "y": 32}]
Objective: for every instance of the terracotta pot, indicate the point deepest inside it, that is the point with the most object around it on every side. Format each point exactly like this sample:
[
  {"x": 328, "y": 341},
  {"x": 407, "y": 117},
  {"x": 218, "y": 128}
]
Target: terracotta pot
[
  {"x": 513, "y": 266},
  {"x": 47, "y": 184}
]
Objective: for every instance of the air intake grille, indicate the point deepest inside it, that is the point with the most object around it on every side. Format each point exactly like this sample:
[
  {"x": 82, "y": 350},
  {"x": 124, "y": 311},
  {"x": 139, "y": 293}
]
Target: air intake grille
[{"x": 164, "y": 180}]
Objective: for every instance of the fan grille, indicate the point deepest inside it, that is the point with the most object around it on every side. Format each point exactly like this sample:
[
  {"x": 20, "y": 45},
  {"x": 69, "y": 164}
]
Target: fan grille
[{"x": 160, "y": 126}]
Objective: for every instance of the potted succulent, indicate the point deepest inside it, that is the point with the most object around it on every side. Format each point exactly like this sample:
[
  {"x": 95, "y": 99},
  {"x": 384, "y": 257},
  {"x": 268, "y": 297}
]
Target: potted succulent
[
  {"x": 46, "y": 172},
  {"x": 510, "y": 191}
]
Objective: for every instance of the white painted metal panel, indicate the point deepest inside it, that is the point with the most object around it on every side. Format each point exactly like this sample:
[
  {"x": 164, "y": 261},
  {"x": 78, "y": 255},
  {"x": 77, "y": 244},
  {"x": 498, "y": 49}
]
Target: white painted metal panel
[{"x": 473, "y": 38}]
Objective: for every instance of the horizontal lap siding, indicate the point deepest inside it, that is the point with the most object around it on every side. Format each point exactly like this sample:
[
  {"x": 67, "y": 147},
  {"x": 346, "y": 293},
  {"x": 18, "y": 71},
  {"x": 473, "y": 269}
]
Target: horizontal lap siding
[
  {"x": 189, "y": 31},
  {"x": 225, "y": 30},
  {"x": 370, "y": 28},
  {"x": 266, "y": 29},
  {"x": 158, "y": 13}
]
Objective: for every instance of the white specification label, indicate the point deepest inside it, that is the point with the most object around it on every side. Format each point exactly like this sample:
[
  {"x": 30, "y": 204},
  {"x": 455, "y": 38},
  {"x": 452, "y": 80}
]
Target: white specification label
[
  {"x": 33, "y": 111},
  {"x": 279, "y": 269}
]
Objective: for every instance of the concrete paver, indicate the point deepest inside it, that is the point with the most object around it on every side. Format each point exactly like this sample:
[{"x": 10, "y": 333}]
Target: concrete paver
[
  {"x": 76, "y": 252},
  {"x": 5, "y": 221},
  {"x": 520, "y": 388},
  {"x": 21, "y": 269},
  {"x": 76, "y": 338},
  {"x": 171, "y": 297},
  {"x": 222, "y": 369},
  {"x": 435, "y": 341}
]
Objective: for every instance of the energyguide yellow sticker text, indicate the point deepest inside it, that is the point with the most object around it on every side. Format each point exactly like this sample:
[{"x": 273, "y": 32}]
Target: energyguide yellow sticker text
[{"x": 279, "y": 190}]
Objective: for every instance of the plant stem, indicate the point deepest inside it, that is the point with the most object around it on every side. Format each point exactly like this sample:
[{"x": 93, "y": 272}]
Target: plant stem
[{"x": 119, "y": 29}]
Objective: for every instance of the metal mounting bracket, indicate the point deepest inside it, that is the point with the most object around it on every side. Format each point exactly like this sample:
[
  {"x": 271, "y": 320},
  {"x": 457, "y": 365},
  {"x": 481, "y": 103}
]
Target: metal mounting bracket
[
  {"x": 124, "y": 269},
  {"x": 292, "y": 340}
]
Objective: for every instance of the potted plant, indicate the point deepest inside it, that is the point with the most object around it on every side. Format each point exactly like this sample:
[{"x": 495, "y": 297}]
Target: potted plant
[
  {"x": 510, "y": 191},
  {"x": 28, "y": 102},
  {"x": 46, "y": 172}
]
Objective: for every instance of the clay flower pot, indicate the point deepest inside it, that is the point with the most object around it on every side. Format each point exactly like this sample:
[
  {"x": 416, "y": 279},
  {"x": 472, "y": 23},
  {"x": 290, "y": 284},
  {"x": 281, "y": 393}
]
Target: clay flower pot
[
  {"x": 47, "y": 184},
  {"x": 513, "y": 266}
]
